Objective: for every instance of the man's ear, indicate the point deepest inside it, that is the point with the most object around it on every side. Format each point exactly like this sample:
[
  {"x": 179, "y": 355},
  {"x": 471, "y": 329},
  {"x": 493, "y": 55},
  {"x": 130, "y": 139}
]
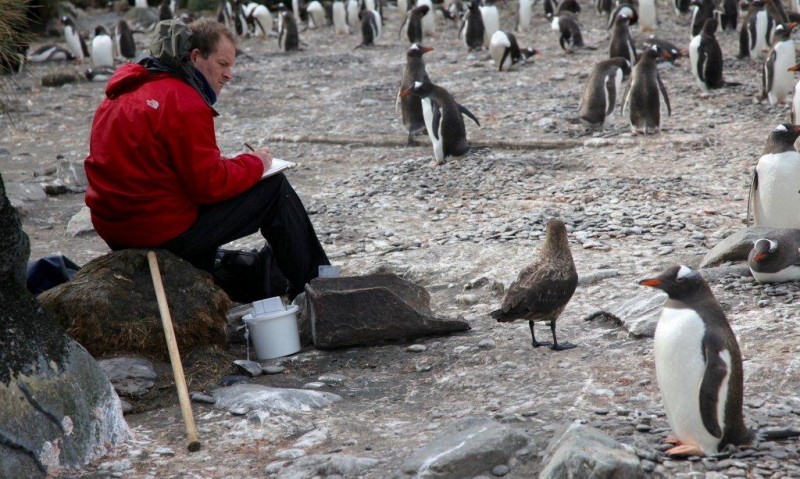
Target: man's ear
[{"x": 194, "y": 54}]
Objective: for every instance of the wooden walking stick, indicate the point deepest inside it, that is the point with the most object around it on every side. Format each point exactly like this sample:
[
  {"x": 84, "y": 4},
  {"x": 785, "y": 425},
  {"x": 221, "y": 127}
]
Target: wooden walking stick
[{"x": 174, "y": 356}]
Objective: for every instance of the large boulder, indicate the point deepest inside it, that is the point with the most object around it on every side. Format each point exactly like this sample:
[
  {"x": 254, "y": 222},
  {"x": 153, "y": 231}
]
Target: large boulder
[
  {"x": 735, "y": 247},
  {"x": 110, "y": 306},
  {"x": 57, "y": 408}
]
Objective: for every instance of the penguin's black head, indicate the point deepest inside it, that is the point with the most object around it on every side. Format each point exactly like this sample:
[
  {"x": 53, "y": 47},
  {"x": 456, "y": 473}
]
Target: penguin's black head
[
  {"x": 656, "y": 51},
  {"x": 782, "y": 138},
  {"x": 418, "y": 50},
  {"x": 422, "y": 10},
  {"x": 622, "y": 19},
  {"x": 475, "y": 5},
  {"x": 100, "y": 30},
  {"x": 710, "y": 26},
  {"x": 764, "y": 250},
  {"x": 679, "y": 282}
]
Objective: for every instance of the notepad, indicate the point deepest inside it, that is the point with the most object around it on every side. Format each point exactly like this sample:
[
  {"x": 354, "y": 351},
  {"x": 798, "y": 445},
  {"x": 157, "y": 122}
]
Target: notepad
[{"x": 277, "y": 166}]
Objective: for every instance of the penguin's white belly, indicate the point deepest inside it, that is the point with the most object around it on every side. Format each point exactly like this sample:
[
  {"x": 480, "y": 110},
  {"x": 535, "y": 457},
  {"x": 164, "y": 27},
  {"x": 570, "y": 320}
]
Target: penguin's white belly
[
  {"x": 352, "y": 13},
  {"x": 796, "y": 103},
  {"x": 496, "y": 50},
  {"x": 777, "y": 196},
  {"x": 340, "y": 19},
  {"x": 73, "y": 42},
  {"x": 679, "y": 369},
  {"x": 608, "y": 119},
  {"x": 694, "y": 55},
  {"x": 491, "y": 22},
  {"x": 429, "y": 19},
  {"x": 263, "y": 21},
  {"x": 524, "y": 14},
  {"x": 140, "y": 4},
  {"x": 647, "y": 15},
  {"x": 761, "y": 34},
  {"x": 102, "y": 51},
  {"x": 427, "y": 114},
  {"x": 782, "y": 79},
  {"x": 402, "y": 6},
  {"x": 791, "y": 273}
]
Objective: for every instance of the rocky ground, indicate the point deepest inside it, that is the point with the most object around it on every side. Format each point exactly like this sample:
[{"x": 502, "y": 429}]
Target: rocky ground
[{"x": 633, "y": 206}]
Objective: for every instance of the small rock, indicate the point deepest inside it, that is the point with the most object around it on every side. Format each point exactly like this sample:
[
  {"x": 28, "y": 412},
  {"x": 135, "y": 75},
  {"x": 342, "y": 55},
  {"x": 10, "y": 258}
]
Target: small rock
[
  {"x": 164, "y": 451},
  {"x": 252, "y": 368},
  {"x": 202, "y": 398},
  {"x": 500, "y": 470},
  {"x": 486, "y": 344},
  {"x": 273, "y": 369},
  {"x": 417, "y": 348}
]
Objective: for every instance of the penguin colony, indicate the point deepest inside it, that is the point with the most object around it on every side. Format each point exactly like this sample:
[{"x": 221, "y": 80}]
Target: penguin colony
[{"x": 697, "y": 358}]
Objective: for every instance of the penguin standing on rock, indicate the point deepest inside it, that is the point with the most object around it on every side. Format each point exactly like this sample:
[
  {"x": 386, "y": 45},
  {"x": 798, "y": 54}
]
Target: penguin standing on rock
[
  {"x": 776, "y": 259},
  {"x": 413, "y": 23},
  {"x": 542, "y": 290},
  {"x": 705, "y": 55},
  {"x": 621, "y": 41},
  {"x": 411, "y": 105},
  {"x": 645, "y": 94},
  {"x": 472, "y": 30},
  {"x": 774, "y": 192},
  {"x": 698, "y": 366},
  {"x": 506, "y": 52},
  {"x": 603, "y": 87},
  {"x": 777, "y": 81},
  {"x": 74, "y": 40},
  {"x": 102, "y": 48},
  {"x": 443, "y": 119}
]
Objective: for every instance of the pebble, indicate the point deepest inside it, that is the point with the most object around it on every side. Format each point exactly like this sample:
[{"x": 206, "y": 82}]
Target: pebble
[
  {"x": 332, "y": 379},
  {"x": 272, "y": 369},
  {"x": 314, "y": 385},
  {"x": 164, "y": 451},
  {"x": 500, "y": 470},
  {"x": 199, "y": 397},
  {"x": 417, "y": 348},
  {"x": 487, "y": 344}
]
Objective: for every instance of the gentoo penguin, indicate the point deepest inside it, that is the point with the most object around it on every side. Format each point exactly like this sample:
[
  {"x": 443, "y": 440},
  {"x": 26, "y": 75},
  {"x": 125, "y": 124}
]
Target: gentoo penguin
[
  {"x": 603, "y": 7},
  {"x": 570, "y": 38},
  {"x": 702, "y": 10},
  {"x": 777, "y": 81},
  {"x": 340, "y": 18},
  {"x": 776, "y": 259},
  {"x": 621, "y": 41},
  {"x": 429, "y": 20},
  {"x": 646, "y": 93},
  {"x": 601, "y": 92},
  {"x": 164, "y": 11},
  {"x": 442, "y": 119},
  {"x": 571, "y": 6},
  {"x": 287, "y": 35},
  {"x": 370, "y": 27},
  {"x": 74, "y": 40},
  {"x": 730, "y": 15},
  {"x": 126, "y": 45},
  {"x": 102, "y": 48},
  {"x": 755, "y": 35},
  {"x": 353, "y": 8},
  {"x": 316, "y": 14},
  {"x": 668, "y": 51},
  {"x": 698, "y": 366},
  {"x": 491, "y": 20},
  {"x": 647, "y": 15},
  {"x": 624, "y": 7},
  {"x": 472, "y": 29},
  {"x": 705, "y": 55},
  {"x": 262, "y": 21},
  {"x": 774, "y": 192},
  {"x": 524, "y": 15},
  {"x": 413, "y": 23},
  {"x": 47, "y": 53},
  {"x": 776, "y": 10},
  {"x": 411, "y": 105},
  {"x": 542, "y": 290},
  {"x": 506, "y": 52},
  {"x": 403, "y": 6},
  {"x": 550, "y": 7}
]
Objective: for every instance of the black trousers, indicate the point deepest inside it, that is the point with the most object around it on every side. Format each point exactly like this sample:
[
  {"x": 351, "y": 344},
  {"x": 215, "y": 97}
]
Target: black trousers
[{"x": 272, "y": 206}]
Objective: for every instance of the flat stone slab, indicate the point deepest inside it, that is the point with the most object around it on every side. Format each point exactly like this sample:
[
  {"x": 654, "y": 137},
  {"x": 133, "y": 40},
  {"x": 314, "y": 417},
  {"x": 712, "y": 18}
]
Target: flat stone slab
[
  {"x": 371, "y": 309},
  {"x": 241, "y": 398}
]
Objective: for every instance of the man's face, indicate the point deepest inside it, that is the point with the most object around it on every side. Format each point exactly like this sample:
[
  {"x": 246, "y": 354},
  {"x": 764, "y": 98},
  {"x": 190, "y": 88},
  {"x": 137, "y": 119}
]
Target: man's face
[{"x": 218, "y": 67}]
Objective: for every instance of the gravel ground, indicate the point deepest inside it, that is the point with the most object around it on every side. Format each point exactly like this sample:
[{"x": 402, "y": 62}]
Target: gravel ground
[{"x": 632, "y": 204}]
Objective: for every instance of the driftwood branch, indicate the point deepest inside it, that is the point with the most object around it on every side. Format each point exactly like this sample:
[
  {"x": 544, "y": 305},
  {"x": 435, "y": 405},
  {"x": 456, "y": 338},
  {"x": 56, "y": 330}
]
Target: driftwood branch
[{"x": 400, "y": 141}]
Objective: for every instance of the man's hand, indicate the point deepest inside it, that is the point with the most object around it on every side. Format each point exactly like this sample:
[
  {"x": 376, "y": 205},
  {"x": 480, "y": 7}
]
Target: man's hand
[{"x": 265, "y": 156}]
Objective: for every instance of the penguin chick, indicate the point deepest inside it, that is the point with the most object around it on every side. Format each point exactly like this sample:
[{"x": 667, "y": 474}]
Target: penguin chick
[
  {"x": 698, "y": 366},
  {"x": 542, "y": 290},
  {"x": 621, "y": 44},
  {"x": 443, "y": 119},
  {"x": 646, "y": 93},
  {"x": 601, "y": 92},
  {"x": 774, "y": 192},
  {"x": 776, "y": 259},
  {"x": 411, "y": 105},
  {"x": 506, "y": 52}
]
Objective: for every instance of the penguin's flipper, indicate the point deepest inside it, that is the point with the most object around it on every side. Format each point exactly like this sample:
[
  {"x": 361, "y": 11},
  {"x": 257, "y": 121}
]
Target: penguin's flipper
[
  {"x": 83, "y": 46},
  {"x": 663, "y": 91},
  {"x": 397, "y": 101},
  {"x": 403, "y": 27},
  {"x": 464, "y": 110},
  {"x": 769, "y": 69},
  {"x": 752, "y": 198},
  {"x": 437, "y": 119},
  {"x": 716, "y": 372},
  {"x": 503, "y": 60},
  {"x": 611, "y": 95},
  {"x": 702, "y": 61},
  {"x": 624, "y": 105}
]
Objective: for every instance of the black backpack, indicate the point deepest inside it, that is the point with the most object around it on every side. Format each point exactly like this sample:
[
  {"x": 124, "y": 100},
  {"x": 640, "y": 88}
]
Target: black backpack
[{"x": 249, "y": 276}]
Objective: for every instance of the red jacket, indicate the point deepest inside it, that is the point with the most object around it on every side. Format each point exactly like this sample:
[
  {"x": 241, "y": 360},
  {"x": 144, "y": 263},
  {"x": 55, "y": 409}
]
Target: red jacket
[{"x": 153, "y": 160}]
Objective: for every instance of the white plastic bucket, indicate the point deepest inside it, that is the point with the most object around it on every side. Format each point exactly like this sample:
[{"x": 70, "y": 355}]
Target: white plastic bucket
[{"x": 274, "y": 334}]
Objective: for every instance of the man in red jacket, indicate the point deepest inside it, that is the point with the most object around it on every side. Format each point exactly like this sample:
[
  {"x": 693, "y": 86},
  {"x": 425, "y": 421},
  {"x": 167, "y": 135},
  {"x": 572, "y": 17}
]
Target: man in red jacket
[{"x": 157, "y": 178}]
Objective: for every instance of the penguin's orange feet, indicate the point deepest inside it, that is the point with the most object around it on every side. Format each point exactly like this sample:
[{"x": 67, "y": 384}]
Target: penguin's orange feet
[
  {"x": 673, "y": 440},
  {"x": 685, "y": 450}
]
